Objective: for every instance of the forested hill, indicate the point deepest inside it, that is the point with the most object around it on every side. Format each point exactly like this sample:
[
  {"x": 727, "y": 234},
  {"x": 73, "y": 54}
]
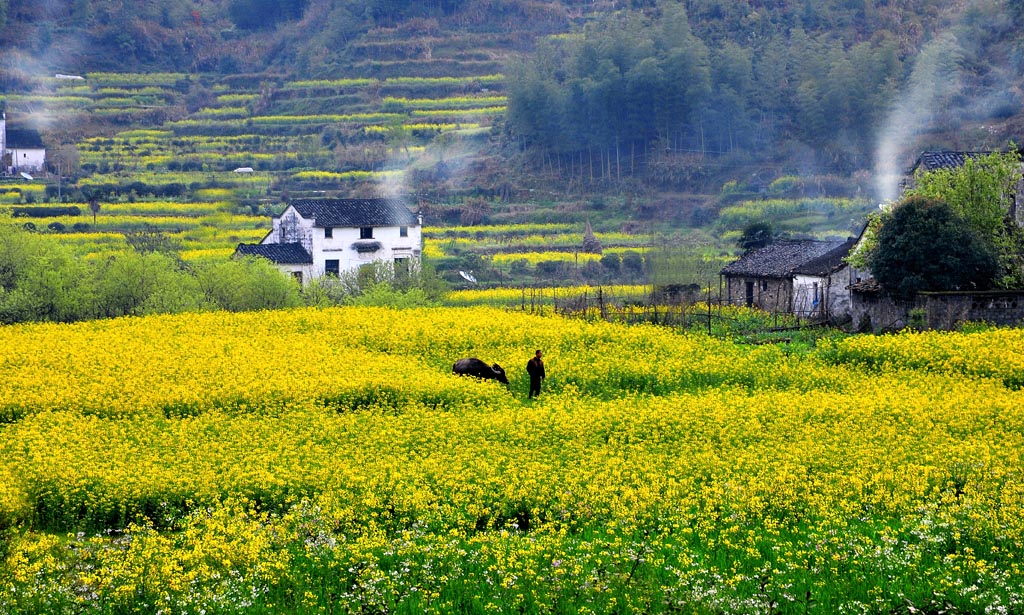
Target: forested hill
[
  {"x": 322, "y": 38},
  {"x": 602, "y": 88}
]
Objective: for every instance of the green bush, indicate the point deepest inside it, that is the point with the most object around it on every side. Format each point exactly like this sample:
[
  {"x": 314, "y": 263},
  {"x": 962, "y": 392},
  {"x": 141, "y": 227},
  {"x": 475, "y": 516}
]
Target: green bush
[
  {"x": 45, "y": 212},
  {"x": 787, "y": 185}
]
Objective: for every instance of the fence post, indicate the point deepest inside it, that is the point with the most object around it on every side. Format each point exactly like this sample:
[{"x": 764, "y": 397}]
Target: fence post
[{"x": 709, "y": 311}]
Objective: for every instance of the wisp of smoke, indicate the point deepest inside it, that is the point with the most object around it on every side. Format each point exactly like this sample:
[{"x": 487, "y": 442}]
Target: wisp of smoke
[
  {"x": 933, "y": 78},
  {"x": 938, "y": 91},
  {"x": 447, "y": 158}
]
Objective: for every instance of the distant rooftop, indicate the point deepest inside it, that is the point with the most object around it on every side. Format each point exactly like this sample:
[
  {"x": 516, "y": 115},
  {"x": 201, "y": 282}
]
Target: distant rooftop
[
  {"x": 931, "y": 161},
  {"x": 356, "y": 212}
]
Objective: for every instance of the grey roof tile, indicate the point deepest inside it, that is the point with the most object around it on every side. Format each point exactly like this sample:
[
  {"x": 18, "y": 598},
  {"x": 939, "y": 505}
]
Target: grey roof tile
[
  {"x": 930, "y": 161},
  {"x": 356, "y": 212},
  {"x": 281, "y": 253},
  {"x": 828, "y": 262},
  {"x": 780, "y": 259}
]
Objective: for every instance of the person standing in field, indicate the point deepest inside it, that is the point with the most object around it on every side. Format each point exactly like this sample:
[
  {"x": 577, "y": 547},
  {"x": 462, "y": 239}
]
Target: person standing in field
[{"x": 535, "y": 368}]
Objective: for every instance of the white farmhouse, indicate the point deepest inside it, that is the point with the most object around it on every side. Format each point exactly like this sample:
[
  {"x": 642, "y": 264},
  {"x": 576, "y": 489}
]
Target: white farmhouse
[
  {"x": 316, "y": 237},
  {"x": 21, "y": 151}
]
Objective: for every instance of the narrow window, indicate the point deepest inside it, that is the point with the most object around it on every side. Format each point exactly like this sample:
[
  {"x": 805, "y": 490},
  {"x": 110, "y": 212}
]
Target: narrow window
[
  {"x": 328, "y": 232},
  {"x": 331, "y": 267},
  {"x": 298, "y": 277},
  {"x": 403, "y": 231},
  {"x": 366, "y": 232}
]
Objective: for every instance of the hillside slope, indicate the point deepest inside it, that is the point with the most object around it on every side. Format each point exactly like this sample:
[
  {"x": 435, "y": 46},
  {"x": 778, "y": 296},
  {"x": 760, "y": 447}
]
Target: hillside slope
[{"x": 831, "y": 91}]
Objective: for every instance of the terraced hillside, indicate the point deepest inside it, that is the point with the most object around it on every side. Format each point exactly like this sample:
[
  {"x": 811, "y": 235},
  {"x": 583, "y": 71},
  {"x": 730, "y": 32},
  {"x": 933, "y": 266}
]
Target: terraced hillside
[{"x": 419, "y": 111}]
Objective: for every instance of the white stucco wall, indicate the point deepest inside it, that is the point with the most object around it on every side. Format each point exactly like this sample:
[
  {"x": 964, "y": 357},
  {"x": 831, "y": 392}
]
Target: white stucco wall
[
  {"x": 27, "y": 159},
  {"x": 303, "y": 272},
  {"x": 341, "y": 246},
  {"x": 809, "y": 295},
  {"x": 833, "y": 294}
]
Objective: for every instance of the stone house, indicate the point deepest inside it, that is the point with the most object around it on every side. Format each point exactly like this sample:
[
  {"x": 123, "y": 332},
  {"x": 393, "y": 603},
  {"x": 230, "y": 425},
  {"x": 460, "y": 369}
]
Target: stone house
[
  {"x": 806, "y": 277},
  {"x": 316, "y": 237}
]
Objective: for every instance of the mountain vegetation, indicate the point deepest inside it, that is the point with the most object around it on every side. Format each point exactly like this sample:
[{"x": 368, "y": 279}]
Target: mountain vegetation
[{"x": 599, "y": 91}]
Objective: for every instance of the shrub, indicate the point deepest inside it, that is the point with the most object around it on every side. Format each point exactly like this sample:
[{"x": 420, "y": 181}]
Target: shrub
[
  {"x": 45, "y": 212},
  {"x": 611, "y": 262},
  {"x": 787, "y": 185},
  {"x": 633, "y": 262},
  {"x": 925, "y": 246}
]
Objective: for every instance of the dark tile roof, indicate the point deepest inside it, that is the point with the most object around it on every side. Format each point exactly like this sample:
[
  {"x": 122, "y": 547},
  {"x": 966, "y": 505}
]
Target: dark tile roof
[
  {"x": 930, "y": 161},
  {"x": 281, "y": 253},
  {"x": 356, "y": 212},
  {"x": 828, "y": 262},
  {"x": 23, "y": 138},
  {"x": 780, "y": 259}
]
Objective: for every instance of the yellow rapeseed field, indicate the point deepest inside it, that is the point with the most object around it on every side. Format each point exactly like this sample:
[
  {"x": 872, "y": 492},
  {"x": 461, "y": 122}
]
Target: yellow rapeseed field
[{"x": 327, "y": 460}]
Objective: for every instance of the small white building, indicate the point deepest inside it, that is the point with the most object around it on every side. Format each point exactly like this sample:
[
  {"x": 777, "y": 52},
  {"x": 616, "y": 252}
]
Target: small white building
[
  {"x": 821, "y": 286},
  {"x": 316, "y": 237},
  {"x": 21, "y": 151}
]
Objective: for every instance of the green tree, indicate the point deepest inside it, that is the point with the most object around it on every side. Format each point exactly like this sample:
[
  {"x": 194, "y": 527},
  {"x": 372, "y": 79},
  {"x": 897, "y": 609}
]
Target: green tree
[
  {"x": 632, "y": 263},
  {"x": 924, "y": 245},
  {"x": 18, "y": 250},
  {"x": 39, "y": 281},
  {"x": 756, "y": 235},
  {"x": 981, "y": 192},
  {"x": 52, "y": 288},
  {"x": 137, "y": 283},
  {"x": 247, "y": 284}
]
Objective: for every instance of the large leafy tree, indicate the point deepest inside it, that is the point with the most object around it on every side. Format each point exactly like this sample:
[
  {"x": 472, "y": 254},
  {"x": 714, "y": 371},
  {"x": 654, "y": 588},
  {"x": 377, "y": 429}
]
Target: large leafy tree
[{"x": 924, "y": 245}]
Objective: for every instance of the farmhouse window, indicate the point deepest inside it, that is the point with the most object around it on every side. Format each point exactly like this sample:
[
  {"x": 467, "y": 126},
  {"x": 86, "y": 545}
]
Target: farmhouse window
[
  {"x": 298, "y": 276},
  {"x": 403, "y": 231},
  {"x": 331, "y": 267},
  {"x": 366, "y": 232},
  {"x": 764, "y": 284},
  {"x": 328, "y": 232}
]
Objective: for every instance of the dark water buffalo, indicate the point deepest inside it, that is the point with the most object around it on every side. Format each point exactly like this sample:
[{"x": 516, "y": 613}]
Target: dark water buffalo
[{"x": 476, "y": 367}]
